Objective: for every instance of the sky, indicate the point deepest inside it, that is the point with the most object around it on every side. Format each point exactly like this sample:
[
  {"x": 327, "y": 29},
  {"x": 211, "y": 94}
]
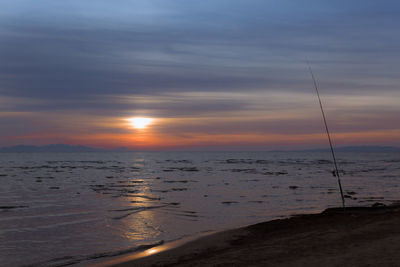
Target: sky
[{"x": 211, "y": 74}]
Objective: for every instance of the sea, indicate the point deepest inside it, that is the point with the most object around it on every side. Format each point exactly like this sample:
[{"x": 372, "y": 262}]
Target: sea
[{"x": 60, "y": 209}]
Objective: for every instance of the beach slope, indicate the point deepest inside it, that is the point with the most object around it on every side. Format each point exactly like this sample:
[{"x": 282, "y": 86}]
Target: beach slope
[{"x": 359, "y": 237}]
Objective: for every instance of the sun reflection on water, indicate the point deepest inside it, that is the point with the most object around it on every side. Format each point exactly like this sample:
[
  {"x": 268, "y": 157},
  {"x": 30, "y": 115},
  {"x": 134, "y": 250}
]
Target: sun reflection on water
[{"x": 141, "y": 224}]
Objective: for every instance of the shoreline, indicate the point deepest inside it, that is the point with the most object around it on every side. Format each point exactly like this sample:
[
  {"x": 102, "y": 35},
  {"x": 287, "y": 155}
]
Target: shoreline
[
  {"x": 153, "y": 249},
  {"x": 358, "y": 237}
]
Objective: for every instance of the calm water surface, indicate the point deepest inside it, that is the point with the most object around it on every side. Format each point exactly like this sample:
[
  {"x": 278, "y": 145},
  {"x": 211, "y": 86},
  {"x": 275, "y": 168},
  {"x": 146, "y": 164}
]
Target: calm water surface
[{"x": 68, "y": 208}]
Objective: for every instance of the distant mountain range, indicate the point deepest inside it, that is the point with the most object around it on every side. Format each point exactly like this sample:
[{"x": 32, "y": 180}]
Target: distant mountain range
[
  {"x": 61, "y": 148},
  {"x": 58, "y": 148},
  {"x": 360, "y": 149}
]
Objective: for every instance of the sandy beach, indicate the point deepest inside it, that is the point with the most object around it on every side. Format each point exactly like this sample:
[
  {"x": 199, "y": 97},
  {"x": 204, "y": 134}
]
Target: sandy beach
[{"x": 362, "y": 236}]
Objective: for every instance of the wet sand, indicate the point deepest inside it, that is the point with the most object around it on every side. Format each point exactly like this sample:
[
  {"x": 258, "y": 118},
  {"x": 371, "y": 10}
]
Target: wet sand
[{"x": 359, "y": 237}]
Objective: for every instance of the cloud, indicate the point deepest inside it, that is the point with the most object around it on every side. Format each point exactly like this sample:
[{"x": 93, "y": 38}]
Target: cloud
[
  {"x": 205, "y": 59},
  {"x": 190, "y": 48}
]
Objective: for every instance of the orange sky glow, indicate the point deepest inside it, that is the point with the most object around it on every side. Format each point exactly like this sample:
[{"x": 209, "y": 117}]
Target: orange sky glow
[{"x": 148, "y": 140}]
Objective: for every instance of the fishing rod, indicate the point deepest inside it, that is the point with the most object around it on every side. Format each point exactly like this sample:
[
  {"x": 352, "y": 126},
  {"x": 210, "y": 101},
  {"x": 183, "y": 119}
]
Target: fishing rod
[{"x": 327, "y": 132}]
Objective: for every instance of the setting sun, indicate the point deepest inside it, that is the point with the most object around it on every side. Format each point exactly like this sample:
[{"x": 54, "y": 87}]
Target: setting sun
[{"x": 140, "y": 122}]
